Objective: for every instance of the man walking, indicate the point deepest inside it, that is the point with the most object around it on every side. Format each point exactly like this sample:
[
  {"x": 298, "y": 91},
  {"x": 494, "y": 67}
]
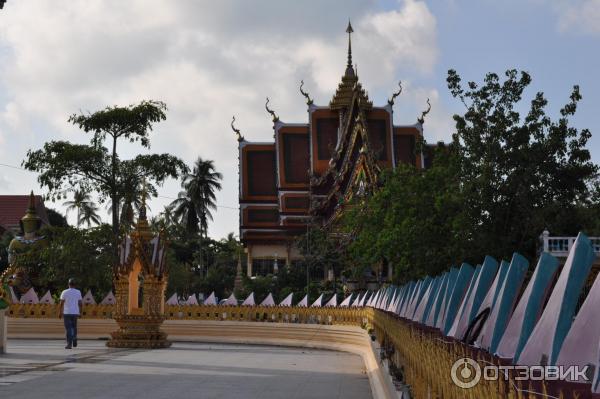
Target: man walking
[{"x": 70, "y": 309}]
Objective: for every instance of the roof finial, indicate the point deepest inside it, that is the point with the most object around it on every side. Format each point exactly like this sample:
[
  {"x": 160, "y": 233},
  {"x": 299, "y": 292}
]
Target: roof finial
[
  {"x": 143, "y": 206},
  {"x": 273, "y": 114},
  {"x": 349, "y": 30},
  {"x": 309, "y": 100},
  {"x": 31, "y": 202},
  {"x": 422, "y": 118},
  {"x": 396, "y": 94},
  {"x": 237, "y": 131}
]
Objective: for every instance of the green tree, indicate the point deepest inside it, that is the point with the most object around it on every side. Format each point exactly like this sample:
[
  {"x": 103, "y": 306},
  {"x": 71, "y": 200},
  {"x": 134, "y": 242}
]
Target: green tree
[
  {"x": 98, "y": 167},
  {"x": 184, "y": 210},
  {"x": 87, "y": 211},
  {"x": 323, "y": 250},
  {"x": 201, "y": 185},
  {"x": 519, "y": 174},
  {"x": 195, "y": 203},
  {"x": 56, "y": 219},
  {"x": 414, "y": 222},
  {"x": 83, "y": 254}
]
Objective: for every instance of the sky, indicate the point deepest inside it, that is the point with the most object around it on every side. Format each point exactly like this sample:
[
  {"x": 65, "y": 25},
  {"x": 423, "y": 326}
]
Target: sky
[{"x": 210, "y": 60}]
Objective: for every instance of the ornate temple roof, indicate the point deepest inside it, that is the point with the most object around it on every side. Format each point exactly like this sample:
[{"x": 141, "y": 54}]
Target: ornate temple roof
[
  {"x": 145, "y": 245},
  {"x": 314, "y": 168}
]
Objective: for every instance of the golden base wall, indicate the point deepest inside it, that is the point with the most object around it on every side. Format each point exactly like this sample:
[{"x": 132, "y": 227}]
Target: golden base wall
[{"x": 139, "y": 331}]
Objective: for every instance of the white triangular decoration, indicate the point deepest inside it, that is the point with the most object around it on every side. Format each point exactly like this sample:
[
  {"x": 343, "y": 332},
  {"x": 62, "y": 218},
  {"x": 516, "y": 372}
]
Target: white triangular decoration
[
  {"x": 211, "y": 300},
  {"x": 287, "y": 301},
  {"x": 109, "y": 299},
  {"x": 88, "y": 298},
  {"x": 47, "y": 299},
  {"x": 30, "y": 297},
  {"x": 231, "y": 301},
  {"x": 249, "y": 301},
  {"x": 346, "y": 302},
  {"x": 268, "y": 301},
  {"x": 318, "y": 303},
  {"x": 304, "y": 302},
  {"x": 332, "y": 302}
]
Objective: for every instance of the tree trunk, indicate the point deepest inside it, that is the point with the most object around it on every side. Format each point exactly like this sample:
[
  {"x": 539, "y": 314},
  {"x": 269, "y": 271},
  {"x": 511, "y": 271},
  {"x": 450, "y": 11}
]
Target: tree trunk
[{"x": 115, "y": 204}]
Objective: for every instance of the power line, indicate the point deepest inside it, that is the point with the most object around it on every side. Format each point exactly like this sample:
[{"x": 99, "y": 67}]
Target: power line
[{"x": 160, "y": 196}]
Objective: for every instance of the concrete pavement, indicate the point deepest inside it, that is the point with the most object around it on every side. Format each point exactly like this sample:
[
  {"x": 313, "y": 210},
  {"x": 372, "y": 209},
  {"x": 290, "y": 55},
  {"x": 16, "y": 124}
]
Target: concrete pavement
[{"x": 44, "y": 369}]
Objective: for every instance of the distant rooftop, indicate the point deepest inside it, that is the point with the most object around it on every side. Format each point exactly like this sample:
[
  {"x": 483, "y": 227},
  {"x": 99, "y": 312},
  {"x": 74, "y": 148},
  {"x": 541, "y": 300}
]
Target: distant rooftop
[{"x": 13, "y": 208}]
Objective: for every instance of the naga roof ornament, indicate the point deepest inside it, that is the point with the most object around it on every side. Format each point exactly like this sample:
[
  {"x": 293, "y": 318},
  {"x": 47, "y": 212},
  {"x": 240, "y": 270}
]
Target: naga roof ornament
[
  {"x": 270, "y": 111},
  {"x": 345, "y": 91},
  {"x": 396, "y": 94},
  {"x": 309, "y": 100},
  {"x": 240, "y": 138},
  {"x": 421, "y": 119}
]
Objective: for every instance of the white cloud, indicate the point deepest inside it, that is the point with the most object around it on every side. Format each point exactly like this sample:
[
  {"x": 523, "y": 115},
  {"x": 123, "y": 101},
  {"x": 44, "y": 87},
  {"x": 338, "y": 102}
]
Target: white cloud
[
  {"x": 207, "y": 61},
  {"x": 579, "y": 16}
]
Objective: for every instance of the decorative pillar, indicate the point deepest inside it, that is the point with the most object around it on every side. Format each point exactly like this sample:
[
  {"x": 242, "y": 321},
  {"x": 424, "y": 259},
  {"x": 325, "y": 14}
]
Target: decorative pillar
[{"x": 545, "y": 244}]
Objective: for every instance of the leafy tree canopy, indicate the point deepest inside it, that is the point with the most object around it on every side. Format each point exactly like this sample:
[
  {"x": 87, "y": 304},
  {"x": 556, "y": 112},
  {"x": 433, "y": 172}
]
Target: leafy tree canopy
[
  {"x": 97, "y": 167},
  {"x": 510, "y": 172}
]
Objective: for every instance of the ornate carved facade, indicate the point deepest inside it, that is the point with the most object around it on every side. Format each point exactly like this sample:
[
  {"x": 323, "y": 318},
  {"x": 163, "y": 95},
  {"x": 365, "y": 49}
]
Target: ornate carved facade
[{"x": 312, "y": 169}]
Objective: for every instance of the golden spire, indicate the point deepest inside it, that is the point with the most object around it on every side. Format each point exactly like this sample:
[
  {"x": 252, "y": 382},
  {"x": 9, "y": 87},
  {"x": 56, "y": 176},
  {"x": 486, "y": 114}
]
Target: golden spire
[
  {"x": 349, "y": 69},
  {"x": 349, "y": 84},
  {"x": 142, "y": 228}
]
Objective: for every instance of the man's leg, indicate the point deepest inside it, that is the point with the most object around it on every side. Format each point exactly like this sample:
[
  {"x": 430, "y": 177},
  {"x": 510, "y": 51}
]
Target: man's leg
[
  {"x": 74, "y": 333},
  {"x": 68, "y": 330}
]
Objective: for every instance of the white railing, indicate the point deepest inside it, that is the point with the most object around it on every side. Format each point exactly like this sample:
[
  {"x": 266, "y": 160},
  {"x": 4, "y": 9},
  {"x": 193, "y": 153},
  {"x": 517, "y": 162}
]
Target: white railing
[{"x": 560, "y": 246}]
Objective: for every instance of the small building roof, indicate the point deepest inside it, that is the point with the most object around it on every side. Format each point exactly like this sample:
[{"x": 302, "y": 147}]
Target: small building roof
[{"x": 13, "y": 208}]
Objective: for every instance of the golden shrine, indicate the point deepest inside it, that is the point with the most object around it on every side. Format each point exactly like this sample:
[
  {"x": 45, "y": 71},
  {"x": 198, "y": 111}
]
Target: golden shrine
[
  {"x": 140, "y": 280},
  {"x": 313, "y": 169}
]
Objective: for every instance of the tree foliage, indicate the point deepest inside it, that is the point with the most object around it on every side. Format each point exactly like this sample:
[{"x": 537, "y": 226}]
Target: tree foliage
[
  {"x": 414, "y": 222},
  {"x": 84, "y": 254},
  {"x": 97, "y": 167},
  {"x": 510, "y": 172},
  {"x": 519, "y": 174}
]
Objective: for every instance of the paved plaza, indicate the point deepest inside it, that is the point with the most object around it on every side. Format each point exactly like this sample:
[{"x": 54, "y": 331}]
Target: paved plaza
[{"x": 44, "y": 369}]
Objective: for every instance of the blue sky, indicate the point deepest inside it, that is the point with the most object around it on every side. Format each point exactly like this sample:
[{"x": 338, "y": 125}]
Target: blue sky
[{"x": 210, "y": 60}]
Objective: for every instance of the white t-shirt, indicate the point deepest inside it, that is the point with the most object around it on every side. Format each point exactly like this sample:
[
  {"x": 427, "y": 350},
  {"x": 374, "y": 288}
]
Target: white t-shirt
[{"x": 71, "y": 296}]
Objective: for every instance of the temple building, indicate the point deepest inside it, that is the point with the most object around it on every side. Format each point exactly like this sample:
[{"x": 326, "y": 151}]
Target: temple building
[{"x": 312, "y": 168}]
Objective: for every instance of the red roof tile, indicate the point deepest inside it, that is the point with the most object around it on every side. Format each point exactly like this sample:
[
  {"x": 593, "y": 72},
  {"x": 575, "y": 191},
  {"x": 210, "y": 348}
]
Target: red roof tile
[{"x": 13, "y": 208}]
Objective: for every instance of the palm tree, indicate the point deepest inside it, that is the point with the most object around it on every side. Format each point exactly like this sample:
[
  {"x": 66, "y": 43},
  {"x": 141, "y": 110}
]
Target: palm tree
[
  {"x": 195, "y": 203},
  {"x": 86, "y": 209},
  {"x": 200, "y": 186},
  {"x": 184, "y": 210},
  {"x": 89, "y": 216}
]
